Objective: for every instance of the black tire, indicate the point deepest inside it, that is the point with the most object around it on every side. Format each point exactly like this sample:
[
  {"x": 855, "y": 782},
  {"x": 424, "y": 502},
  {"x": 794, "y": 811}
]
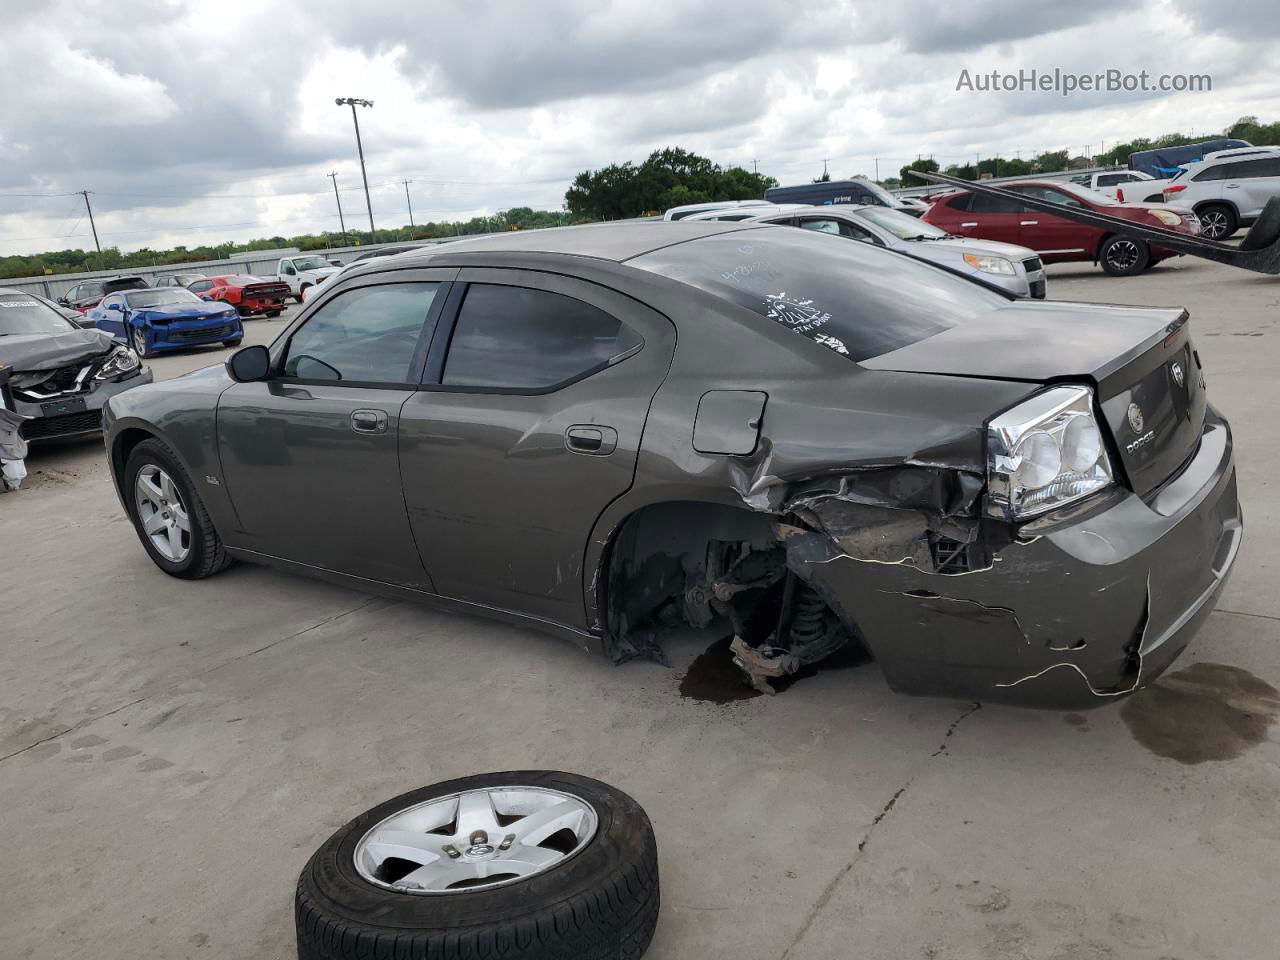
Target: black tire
[
  {"x": 138, "y": 341},
  {"x": 1218, "y": 221},
  {"x": 300, "y": 289},
  {"x": 273, "y": 313},
  {"x": 599, "y": 904},
  {"x": 206, "y": 556},
  {"x": 1122, "y": 256}
]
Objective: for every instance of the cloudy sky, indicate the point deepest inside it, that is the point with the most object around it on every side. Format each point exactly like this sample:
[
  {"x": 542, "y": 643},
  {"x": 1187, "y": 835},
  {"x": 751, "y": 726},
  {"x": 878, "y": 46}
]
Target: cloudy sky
[{"x": 196, "y": 121}]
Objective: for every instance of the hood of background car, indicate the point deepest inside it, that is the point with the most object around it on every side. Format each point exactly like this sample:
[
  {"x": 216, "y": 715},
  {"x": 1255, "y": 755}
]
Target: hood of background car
[
  {"x": 1037, "y": 341},
  {"x": 43, "y": 351},
  {"x": 958, "y": 246},
  {"x": 321, "y": 272},
  {"x": 183, "y": 311}
]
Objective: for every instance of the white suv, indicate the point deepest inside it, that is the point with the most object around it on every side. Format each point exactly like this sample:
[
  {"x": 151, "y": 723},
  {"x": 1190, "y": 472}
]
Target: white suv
[{"x": 1227, "y": 190}]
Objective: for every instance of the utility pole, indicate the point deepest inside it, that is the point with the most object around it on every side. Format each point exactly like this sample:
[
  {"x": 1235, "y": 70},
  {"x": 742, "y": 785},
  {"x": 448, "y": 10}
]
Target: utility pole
[
  {"x": 755, "y": 166},
  {"x": 409, "y": 201},
  {"x": 877, "y": 169},
  {"x": 85, "y": 194},
  {"x": 341, "y": 222},
  {"x": 353, "y": 102}
]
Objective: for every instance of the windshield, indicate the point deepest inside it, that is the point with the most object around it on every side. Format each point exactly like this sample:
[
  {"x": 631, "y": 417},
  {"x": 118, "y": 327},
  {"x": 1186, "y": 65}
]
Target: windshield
[
  {"x": 855, "y": 299},
  {"x": 159, "y": 298},
  {"x": 879, "y": 192},
  {"x": 902, "y": 225},
  {"x": 311, "y": 263},
  {"x": 19, "y": 315}
]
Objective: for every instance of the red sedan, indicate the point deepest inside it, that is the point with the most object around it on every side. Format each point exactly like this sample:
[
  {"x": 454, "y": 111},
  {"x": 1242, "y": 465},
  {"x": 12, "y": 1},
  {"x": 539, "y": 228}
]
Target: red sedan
[
  {"x": 247, "y": 294},
  {"x": 1057, "y": 239}
]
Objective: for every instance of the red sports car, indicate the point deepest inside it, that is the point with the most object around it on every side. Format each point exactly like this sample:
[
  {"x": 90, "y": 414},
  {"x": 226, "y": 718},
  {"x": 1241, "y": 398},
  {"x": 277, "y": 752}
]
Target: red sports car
[
  {"x": 1058, "y": 239},
  {"x": 247, "y": 294}
]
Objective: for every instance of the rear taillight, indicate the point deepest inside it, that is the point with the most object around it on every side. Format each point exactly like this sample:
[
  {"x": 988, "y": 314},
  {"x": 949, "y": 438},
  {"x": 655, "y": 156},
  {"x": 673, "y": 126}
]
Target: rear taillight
[
  {"x": 1120, "y": 194},
  {"x": 1169, "y": 191}
]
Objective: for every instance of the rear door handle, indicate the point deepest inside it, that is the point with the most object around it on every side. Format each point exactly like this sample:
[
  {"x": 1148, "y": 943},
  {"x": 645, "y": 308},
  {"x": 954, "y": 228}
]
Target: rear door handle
[
  {"x": 972, "y": 223},
  {"x": 1233, "y": 186},
  {"x": 1030, "y": 223},
  {"x": 369, "y": 421},
  {"x": 591, "y": 439}
]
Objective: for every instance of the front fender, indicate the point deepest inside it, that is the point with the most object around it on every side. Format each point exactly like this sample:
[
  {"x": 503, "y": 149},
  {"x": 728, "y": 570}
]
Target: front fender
[{"x": 182, "y": 413}]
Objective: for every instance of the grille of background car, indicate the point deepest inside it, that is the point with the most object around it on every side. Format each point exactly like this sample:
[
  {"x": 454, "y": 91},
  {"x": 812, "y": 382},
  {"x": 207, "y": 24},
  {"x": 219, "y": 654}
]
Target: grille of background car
[
  {"x": 45, "y": 427},
  {"x": 186, "y": 335}
]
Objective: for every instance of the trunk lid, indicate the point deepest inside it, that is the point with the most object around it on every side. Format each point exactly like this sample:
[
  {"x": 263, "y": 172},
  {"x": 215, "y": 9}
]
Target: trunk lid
[{"x": 1140, "y": 360}]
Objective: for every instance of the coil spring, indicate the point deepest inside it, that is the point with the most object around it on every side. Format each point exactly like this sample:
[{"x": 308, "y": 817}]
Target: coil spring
[{"x": 807, "y": 617}]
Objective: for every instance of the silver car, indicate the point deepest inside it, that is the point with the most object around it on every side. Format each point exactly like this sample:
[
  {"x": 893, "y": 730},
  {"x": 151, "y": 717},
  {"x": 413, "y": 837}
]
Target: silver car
[{"x": 1008, "y": 266}]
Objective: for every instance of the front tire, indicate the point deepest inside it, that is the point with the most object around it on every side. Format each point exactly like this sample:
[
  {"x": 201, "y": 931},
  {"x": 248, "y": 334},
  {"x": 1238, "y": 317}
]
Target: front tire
[
  {"x": 1218, "y": 221},
  {"x": 300, "y": 290},
  {"x": 169, "y": 515},
  {"x": 586, "y": 892},
  {"x": 1124, "y": 256},
  {"x": 273, "y": 313},
  {"x": 138, "y": 340}
]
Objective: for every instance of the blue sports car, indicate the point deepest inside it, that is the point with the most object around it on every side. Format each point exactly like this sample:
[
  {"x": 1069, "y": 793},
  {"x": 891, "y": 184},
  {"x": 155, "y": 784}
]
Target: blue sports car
[{"x": 155, "y": 320}]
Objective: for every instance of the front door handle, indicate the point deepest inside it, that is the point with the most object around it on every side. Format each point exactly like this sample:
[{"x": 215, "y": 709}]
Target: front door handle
[
  {"x": 1030, "y": 223},
  {"x": 591, "y": 439},
  {"x": 369, "y": 421},
  {"x": 1233, "y": 186},
  {"x": 971, "y": 223}
]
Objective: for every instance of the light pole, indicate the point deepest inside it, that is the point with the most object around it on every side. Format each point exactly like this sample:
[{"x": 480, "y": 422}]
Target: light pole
[
  {"x": 341, "y": 222},
  {"x": 354, "y": 102}
]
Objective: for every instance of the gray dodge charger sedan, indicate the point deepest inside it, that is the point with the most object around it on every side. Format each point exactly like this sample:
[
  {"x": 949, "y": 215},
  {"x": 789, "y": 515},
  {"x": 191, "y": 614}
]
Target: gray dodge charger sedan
[{"x": 616, "y": 431}]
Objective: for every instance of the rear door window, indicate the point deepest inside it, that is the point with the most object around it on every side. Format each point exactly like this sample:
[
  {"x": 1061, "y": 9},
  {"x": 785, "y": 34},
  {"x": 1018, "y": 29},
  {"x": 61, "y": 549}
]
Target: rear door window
[
  {"x": 982, "y": 203},
  {"x": 517, "y": 338},
  {"x": 364, "y": 335}
]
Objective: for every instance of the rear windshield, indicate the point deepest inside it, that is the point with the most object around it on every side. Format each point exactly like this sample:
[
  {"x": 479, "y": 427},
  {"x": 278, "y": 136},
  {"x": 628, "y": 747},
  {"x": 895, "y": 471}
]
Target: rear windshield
[
  {"x": 855, "y": 299},
  {"x": 125, "y": 283},
  {"x": 19, "y": 315}
]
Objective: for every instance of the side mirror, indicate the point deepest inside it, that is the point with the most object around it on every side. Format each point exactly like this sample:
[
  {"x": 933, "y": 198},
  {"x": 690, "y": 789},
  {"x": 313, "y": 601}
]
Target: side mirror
[
  {"x": 113, "y": 306},
  {"x": 64, "y": 301},
  {"x": 249, "y": 364},
  {"x": 205, "y": 296}
]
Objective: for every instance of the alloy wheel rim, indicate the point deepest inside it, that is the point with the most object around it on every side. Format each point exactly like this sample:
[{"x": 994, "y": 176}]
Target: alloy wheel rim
[
  {"x": 139, "y": 342},
  {"x": 1123, "y": 254},
  {"x": 162, "y": 513},
  {"x": 1214, "y": 224},
  {"x": 475, "y": 840}
]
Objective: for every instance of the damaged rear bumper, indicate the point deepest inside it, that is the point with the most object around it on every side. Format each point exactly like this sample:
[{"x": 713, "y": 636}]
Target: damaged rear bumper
[{"x": 1074, "y": 613}]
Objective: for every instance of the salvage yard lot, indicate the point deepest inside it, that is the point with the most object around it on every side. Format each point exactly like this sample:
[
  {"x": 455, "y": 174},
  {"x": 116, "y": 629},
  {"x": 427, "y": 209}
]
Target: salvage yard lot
[{"x": 173, "y": 751}]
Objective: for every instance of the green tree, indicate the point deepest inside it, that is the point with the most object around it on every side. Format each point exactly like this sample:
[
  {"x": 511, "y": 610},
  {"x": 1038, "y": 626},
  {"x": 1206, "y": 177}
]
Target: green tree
[
  {"x": 667, "y": 178},
  {"x": 923, "y": 164}
]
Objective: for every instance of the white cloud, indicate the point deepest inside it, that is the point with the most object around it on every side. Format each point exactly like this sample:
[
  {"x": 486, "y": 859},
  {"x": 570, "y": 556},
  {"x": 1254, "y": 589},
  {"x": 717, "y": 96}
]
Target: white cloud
[{"x": 203, "y": 120}]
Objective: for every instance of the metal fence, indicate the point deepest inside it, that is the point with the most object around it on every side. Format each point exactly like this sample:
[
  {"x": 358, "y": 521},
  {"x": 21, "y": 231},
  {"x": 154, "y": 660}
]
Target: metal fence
[{"x": 261, "y": 263}]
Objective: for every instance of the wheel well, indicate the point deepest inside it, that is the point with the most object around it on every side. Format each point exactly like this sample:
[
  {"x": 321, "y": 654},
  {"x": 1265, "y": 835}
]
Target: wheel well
[
  {"x": 686, "y": 564},
  {"x": 122, "y": 445},
  {"x": 1218, "y": 202}
]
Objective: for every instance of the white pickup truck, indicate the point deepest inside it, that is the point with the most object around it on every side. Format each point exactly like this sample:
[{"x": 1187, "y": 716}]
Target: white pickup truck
[{"x": 302, "y": 271}]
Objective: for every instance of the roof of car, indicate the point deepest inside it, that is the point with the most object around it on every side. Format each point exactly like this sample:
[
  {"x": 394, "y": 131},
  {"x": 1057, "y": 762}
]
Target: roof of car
[{"x": 604, "y": 241}]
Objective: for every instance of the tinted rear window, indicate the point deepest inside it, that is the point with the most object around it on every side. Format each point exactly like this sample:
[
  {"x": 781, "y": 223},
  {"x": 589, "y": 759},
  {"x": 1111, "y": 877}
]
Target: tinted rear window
[{"x": 855, "y": 299}]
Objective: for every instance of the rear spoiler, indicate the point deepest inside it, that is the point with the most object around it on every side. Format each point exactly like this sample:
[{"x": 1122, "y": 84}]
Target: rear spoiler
[{"x": 1259, "y": 251}]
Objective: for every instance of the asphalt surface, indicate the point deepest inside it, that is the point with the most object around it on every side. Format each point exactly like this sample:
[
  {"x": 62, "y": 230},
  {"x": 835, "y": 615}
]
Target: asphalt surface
[{"x": 173, "y": 752}]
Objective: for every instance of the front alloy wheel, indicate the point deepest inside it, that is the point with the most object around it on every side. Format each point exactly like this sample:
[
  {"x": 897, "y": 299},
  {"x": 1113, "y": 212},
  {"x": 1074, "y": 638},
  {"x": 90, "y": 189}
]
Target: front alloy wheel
[
  {"x": 1124, "y": 257},
  {"x": 139, "y": 342},
  {"x": 162, "y": 513},
  {"x": 168, "y": 514}
]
